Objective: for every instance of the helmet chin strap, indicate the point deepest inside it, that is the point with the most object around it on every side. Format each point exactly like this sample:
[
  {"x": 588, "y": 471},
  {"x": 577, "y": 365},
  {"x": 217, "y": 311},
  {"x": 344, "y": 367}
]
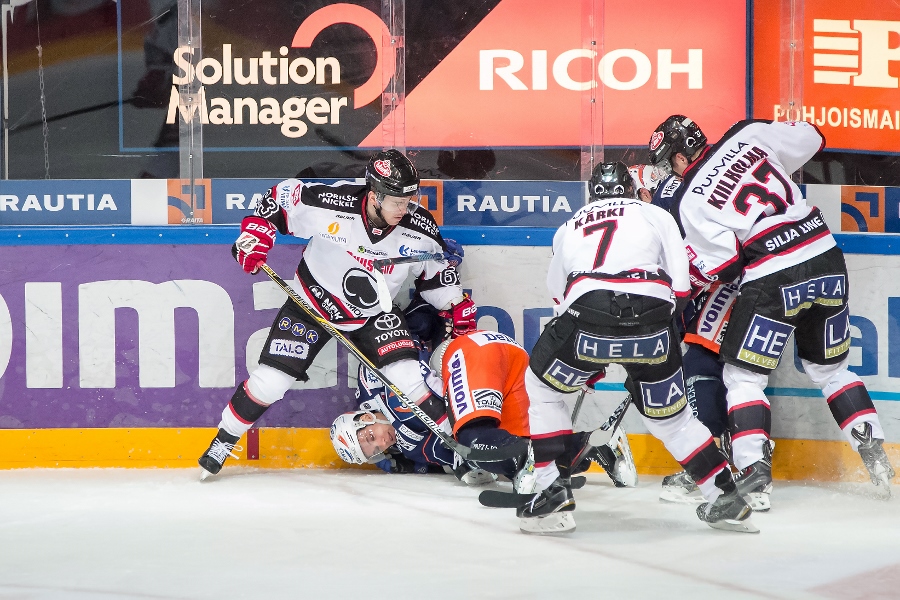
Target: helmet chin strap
[{"x": 378, "y": 214}]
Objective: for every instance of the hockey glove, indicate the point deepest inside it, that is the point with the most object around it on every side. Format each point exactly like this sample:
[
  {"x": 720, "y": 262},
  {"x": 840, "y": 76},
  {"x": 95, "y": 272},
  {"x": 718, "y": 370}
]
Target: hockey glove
[
  {"x": 397, "y": 463},
  {"x": 462, "y": 316},
  {"x": 256, "y": 239},
  {"x": 700, "y": 282},
  {"x": 454, "y": 252}
]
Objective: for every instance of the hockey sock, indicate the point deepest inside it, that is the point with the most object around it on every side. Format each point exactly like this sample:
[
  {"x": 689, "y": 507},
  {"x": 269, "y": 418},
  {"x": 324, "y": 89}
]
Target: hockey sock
[
  {"x": 242, "y": 411},
  {"x": 850, "y": 406},
  {"x": 709, "y": 470},
  {"x": 750, "y": 423},
  {"x": 847, "y": 396}
]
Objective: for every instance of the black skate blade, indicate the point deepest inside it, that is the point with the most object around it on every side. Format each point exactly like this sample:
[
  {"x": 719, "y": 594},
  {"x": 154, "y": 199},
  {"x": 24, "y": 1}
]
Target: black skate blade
[
  {"x": 745, "y": 526},
  {"x": 498, "y": 499}
]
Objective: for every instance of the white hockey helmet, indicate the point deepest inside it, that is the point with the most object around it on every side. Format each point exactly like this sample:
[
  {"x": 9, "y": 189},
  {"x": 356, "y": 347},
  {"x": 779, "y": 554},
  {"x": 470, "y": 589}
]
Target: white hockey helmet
[
  {"x": 436, "y": 362},
  {"x": 647, "y": 177},
  {"x": 345, "y": 440}
]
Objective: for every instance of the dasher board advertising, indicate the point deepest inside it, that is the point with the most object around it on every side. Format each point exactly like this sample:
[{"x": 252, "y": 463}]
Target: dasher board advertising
[
  {"x": 850, "y": 70},
  {"x": 515, "y": 74}
]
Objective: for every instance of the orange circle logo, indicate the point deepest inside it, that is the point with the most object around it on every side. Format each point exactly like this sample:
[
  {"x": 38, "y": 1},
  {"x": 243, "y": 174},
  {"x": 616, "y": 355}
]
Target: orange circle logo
[{"x": 333, "y": 228}]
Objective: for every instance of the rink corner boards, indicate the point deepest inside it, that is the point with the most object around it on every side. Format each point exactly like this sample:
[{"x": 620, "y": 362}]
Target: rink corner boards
[{"x": 301, "y": 448}]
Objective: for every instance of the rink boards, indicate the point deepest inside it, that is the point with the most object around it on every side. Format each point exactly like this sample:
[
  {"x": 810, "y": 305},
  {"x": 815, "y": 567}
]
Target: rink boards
[{"x": 120, "y": 347}]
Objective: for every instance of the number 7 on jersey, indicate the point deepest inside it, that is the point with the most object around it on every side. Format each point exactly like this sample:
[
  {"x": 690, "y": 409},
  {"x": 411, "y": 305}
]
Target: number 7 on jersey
[{"x": 606, "y": 229}]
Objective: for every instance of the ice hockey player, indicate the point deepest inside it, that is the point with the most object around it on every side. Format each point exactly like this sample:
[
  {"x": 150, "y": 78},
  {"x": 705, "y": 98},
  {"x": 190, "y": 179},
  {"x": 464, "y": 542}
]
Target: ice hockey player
[
  {"x": 492, "y": 415},
  {"x": 348, "y": 225},
  {"x": 619, "y": 273},
  {"x": 672, "y": 145},
  {"x": 483, "y": 379},
  {"x": 646, "y": 180},
  {"x": 742, "y": 217}
]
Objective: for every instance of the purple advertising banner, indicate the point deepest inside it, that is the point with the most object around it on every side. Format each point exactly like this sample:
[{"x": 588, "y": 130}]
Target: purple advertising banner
[{"x": 145, "y": 336}]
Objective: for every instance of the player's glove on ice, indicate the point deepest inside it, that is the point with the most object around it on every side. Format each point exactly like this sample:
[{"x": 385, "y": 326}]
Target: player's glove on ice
[
  {"x": 462, "y": 315},
  {"x": 256, "y": 239}
]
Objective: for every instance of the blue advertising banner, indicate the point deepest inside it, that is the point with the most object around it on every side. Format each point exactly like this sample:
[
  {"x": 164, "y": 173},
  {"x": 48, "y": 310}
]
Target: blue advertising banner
[
  {"x": 511, "y": 203},
  {"x": 65, "y": 202},
  {"x": 234, "y": 199}
]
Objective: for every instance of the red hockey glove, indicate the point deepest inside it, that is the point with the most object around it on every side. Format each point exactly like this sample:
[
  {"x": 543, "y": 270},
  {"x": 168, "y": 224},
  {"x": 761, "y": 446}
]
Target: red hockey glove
[
  {"x": 699, "y": 281},
  {"x": 462, "y": 314},
  {"x": 256, "y": 239}
]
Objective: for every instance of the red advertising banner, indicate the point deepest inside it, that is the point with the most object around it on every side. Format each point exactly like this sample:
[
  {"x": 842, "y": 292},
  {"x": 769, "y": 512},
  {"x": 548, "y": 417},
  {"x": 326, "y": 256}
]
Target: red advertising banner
[
  {"x": 518, "y": 78},
  {"x": 851, "y": 70}
]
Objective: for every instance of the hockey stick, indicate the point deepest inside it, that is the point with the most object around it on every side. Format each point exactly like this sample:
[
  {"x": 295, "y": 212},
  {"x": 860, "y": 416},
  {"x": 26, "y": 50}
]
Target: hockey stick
[
  {"x": 577, "y": 408},
  {"x": 385, "y": 301},
  {"x": 465, "y": 452},
  {"x": 502, "y": 499},
  {"x": 383, "y": 262},
  {"x": 613, "y": 421}
]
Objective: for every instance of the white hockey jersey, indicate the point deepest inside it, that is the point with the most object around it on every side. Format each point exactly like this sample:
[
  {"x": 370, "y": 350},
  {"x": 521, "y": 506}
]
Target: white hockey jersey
[
  {"x": 618, "y": 244},
  {"x": 741, "y": 214},
  {"x": 335, "y": 275}
]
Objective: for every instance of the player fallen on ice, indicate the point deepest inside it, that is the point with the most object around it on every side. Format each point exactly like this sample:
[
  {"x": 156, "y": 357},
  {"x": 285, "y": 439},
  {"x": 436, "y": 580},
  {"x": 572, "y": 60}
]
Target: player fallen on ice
[
  {"x": 493, "y": 414},
  {"x": 619, "y": 275},
  {"x": 348, "y": 225},
  {"x": 743, "y": 218}
]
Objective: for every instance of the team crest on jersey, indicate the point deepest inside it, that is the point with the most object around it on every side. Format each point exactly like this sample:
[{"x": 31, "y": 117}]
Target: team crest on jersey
[
  {"x": 656, "y": 139},
  {"x": 296, "y": 195},
  {"x": 383, "y": 167}
]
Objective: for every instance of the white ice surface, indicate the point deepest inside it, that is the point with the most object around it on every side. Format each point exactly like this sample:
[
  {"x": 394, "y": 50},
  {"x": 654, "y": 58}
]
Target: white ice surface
[{"x": 108, "y": 533}]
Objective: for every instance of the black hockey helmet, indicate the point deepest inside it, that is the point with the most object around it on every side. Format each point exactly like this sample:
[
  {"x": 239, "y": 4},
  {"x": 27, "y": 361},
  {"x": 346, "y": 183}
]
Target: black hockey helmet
[
  {"x": 611, "y": 180},
  {"x": 392, "y": 174},
  {"x": 676, "y": 134}
]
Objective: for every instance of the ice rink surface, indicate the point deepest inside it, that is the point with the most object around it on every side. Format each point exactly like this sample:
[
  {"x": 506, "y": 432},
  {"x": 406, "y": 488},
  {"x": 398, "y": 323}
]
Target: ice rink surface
[{"x": 109, "y": 533}]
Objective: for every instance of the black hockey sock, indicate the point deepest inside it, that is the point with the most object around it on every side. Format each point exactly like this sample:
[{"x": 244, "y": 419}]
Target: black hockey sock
[
  {"x": 849, "y": 403},
  {"x": 755, "y": 417},
  {"x": 708, "y": 461},
  {"x": 244, "y": 408}
]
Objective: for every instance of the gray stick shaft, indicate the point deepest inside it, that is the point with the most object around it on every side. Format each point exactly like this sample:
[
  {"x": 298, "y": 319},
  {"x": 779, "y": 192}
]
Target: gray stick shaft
[
  {"x": 616, "y": 417},
  {"x": 383, "y": 262},
  {"x": 578, "y": 404},
  {"x": 463, "y": 451}
]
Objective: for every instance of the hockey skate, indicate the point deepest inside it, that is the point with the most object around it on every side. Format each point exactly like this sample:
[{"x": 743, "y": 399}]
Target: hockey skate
[
  {"x": 525, "y": 480},
  {"x": 680, "y": 488},
  {"x": 476, "y": 477},
  {"x": 616, "y": 459},
  {"x": 754, "y": 483},
  {"x": 222, "y": 446},
  {"x": 729, "y": 512},
  {"x": 549, "y": 511},
  {"x": 874, "y": 457}
]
